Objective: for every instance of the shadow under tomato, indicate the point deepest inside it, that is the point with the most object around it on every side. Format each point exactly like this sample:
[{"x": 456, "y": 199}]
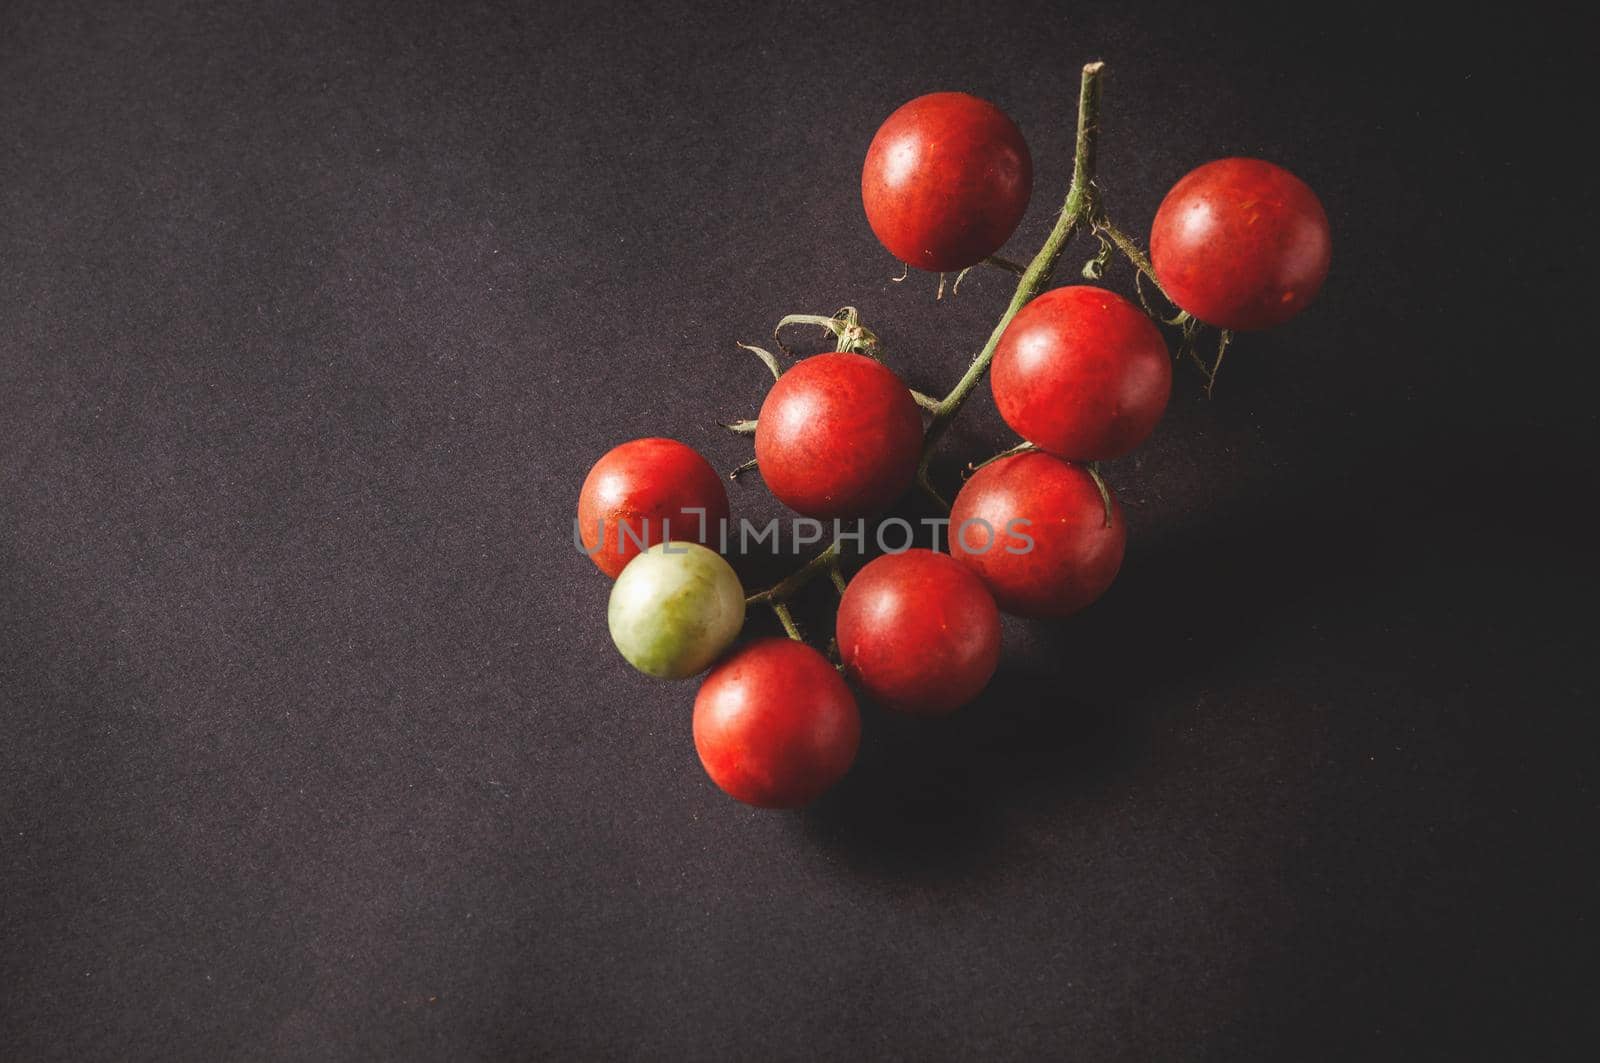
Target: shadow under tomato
[
  {"x": 929, "y": 797},
  {"x": 1071, "y": 720}
]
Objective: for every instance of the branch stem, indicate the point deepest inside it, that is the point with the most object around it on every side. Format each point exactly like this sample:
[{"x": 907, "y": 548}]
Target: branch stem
[
  {"x": 786, "y": 618},
  {"x": 790, "y": 585},
  {"x": 1130, "y": 250},
  {"x": 835, "y": 575},
  {"x": 1135, "y": 255}
]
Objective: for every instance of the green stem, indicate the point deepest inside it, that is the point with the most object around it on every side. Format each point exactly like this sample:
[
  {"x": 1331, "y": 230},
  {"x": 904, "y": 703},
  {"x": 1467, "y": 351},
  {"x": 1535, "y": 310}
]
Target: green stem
[
  {"x": 1076, "y": 211},
  {"x": 1021, "y": 448},
  {"x": 787, "y": 587},
  {"x": 1141, "y": 262},
  {"x": 835, "y": 575},
  {"x": 1105, "y": 492},
  {"x": 786, "y": 618},
  {"x": 1216, "y": 367},
  {"x": 1131, "y": 250}
]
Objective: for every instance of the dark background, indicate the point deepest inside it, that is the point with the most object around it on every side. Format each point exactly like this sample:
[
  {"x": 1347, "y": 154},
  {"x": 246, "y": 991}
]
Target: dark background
[{"x": 312, "y": 319}]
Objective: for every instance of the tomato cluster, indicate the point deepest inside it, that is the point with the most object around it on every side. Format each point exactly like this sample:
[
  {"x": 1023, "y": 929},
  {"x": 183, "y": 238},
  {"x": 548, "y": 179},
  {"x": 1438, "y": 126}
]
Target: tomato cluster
[{"x": 1080, "y": 373}]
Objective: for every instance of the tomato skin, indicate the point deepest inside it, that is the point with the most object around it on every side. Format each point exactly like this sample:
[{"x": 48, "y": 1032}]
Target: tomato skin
[
  {"x": 642, "y": 483},
  {"x": 946, "y": 181},
  {"x": 674, "y": 609},
  {"x": 1074, "y": 557},
  {"x": 1241, "y": 244},
  {"x": 838, "y": 436},
  {"x": 1083, "y": 373},
  {"x": 919, "y": 632},
  {"x": 775, "y": 725}
]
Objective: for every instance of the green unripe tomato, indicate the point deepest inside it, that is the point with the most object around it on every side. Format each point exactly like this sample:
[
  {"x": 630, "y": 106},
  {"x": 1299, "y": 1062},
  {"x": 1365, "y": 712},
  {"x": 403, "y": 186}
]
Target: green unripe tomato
[{"x": 674, "y": 609}]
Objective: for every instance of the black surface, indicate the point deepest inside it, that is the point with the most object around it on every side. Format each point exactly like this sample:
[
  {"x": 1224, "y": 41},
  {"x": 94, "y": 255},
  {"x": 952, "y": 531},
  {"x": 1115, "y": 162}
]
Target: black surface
[{"x": 313, "y": 317}]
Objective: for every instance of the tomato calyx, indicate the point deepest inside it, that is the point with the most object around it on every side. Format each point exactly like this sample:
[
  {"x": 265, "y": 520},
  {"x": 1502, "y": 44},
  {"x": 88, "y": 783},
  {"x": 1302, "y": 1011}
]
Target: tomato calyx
[
  {"x": 1099, "y": 482},
  {"x": 768, "y": 359},
  {"x": 844, "y": 325},
  {"x": 1095, "y": 268},
  {"x": 974, "y": 466},
  {"x": 1004, "y": 265},
  {"x": 746, "y": 426}
]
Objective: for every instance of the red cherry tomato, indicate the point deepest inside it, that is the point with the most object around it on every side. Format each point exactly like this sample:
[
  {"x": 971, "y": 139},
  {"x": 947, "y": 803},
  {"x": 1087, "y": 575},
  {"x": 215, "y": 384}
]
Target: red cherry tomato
[
  {"x": 838, "y": 436},
  {"x": 1060, "y": 561},
  {"x": 641, "y": 485},
  {"x": 946, "y": 181},
  {"x": 775, "y": 725},
  {"x": 919, "y": 631},
  {"x": 1241, "y": 244},
  {"x": 1083, "y": 373}
]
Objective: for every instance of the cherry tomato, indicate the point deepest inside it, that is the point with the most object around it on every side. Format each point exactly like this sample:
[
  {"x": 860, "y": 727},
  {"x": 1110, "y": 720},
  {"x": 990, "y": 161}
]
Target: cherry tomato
[
  {"x": 1062, "y": 559},
  {"x": 946, "y": 181},
  {"x": 919, "y": 631},
  {"x": 838, "y": 436},
  {"x": 641, "y": 491},
  {"x": 1083, "y": 373},
  {"x": 674, "y": 609},
  {"x": 1241, "y": 244},
  {"x": 775, "y": 725}
]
